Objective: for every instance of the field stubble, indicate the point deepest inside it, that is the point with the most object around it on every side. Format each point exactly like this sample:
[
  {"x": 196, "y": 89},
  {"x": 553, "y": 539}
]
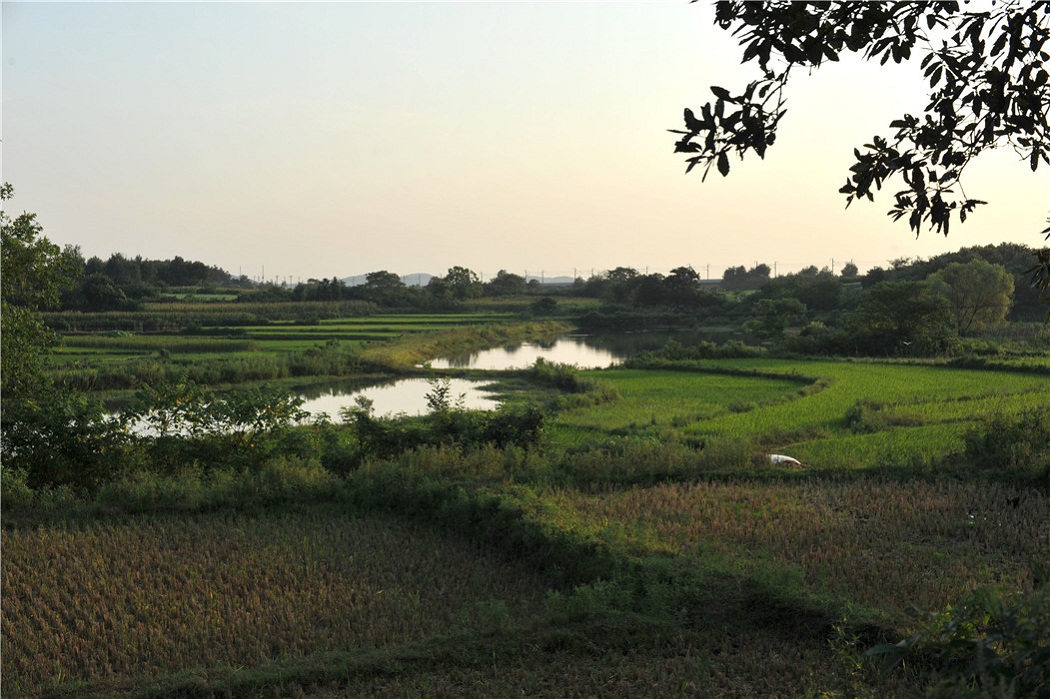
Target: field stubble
[
  {"x": 145, "y": 597},
  {"x": 884, "y": 544}
]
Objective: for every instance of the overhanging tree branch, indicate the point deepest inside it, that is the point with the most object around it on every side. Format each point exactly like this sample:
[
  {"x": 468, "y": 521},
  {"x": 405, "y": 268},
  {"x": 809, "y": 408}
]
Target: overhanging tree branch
[{"x": 989, "y": 87}]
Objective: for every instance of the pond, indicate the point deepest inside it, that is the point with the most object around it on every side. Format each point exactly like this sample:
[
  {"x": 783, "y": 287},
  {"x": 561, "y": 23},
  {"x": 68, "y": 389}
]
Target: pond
[
  {"x": 592, "y": 351},
  {"x": 407, "y": 396}
]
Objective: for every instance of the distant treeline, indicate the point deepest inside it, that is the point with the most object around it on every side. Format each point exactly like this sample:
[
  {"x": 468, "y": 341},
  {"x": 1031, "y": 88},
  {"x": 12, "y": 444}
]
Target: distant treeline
[
  {"x": 123, "y": 284},
  {"x": 821, "y": 290}
]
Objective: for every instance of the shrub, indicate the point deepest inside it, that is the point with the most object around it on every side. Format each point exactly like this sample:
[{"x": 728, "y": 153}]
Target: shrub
[
  {"x": 863, "y": 417},
  {"x": 1011, "y": 442},
  {"x": 14, "y": 488},
  {"x": 989, "y": 645},
  {"x": 65, "y": 441}
]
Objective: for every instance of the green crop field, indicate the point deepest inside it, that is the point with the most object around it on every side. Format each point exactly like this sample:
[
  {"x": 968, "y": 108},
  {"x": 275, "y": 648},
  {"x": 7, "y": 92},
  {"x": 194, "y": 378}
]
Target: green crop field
[
  {"x": 915, "y": 412},
  {"x": 651, "y": 399},
  {"x": 165, "y": 327},
  {"x": 640, "y": 543}
]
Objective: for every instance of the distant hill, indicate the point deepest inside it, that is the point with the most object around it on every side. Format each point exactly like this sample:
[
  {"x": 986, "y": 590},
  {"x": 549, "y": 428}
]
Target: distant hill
[
  {"x": 553, "y": 281},
  {"x": 417, "y": 279}
]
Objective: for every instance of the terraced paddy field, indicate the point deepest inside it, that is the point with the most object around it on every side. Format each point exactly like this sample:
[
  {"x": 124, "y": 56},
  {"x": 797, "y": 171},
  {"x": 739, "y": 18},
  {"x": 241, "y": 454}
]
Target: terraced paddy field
[
  {"x": 125, "y": 360},
  {"x": 273, "y": 336},
  {"x": 828, "y": 414},
  {"x": 645, "y": 545}
]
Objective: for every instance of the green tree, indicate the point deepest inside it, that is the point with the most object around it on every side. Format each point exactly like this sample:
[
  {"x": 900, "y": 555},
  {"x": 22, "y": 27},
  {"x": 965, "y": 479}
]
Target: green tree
[
  {"x": 772, "y": 316},
  {"x": 383, "y": 281},
  {"x": 989, "y": 87},
  {"x": 505, "y": 284},
  {"x": 618, "y": 285},
  {"x": 96, "y": 292},
  {"x": 818, "y": 290},
  {"x": 903, "y": 318},
  {"x": 739, "y": 278},
  {"x": 683, "y": 283},
  {"x": 463, "y": 283},
  {"x": 979, "y": 292},
  {"x": 49, "y": 437},
  {"x": 33, "y": 274}
]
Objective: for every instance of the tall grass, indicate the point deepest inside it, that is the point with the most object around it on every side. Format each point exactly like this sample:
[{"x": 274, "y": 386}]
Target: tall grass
[{"x": 683, "y": 561}]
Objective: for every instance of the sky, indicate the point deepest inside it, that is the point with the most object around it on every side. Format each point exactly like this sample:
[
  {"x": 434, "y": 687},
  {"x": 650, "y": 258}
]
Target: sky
[{"x": 296, "y": 140}]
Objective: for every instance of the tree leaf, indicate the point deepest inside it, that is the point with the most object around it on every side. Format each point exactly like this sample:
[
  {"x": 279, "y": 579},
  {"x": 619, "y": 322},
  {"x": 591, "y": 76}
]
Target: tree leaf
[{"x": 723, "y": 164}]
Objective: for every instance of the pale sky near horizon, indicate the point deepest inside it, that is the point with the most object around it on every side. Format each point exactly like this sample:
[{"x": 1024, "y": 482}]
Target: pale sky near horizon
[{"x": 339, "y": 138}]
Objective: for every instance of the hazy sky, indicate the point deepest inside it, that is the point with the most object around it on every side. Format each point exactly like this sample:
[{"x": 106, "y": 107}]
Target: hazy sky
[{"x": 338, "y": 138}]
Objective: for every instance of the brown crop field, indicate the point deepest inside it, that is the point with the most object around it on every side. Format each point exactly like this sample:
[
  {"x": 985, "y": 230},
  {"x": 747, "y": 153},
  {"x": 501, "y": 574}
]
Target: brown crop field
[
  {"x": 140, "y": 598},
  {"x": 885, "y": 545}
]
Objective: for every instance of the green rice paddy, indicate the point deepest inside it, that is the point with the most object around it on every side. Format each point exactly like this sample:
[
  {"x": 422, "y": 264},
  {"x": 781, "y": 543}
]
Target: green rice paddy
[
  {"x": 644, "y": 546},
  {"x": 918, "y": 412}
]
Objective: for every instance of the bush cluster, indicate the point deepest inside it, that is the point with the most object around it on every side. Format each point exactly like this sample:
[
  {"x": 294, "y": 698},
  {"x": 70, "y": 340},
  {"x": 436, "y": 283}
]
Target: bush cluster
[
  {"x": 990, "y": 645},
  {"x": 1018, "y": 444}
]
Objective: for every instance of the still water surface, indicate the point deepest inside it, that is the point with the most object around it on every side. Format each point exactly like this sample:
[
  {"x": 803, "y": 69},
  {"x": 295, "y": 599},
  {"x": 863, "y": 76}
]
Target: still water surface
[
  {"x": 594, "y": 351},
  {"x": 408, "y": 396},
  {"x": 580, "y": 350}
]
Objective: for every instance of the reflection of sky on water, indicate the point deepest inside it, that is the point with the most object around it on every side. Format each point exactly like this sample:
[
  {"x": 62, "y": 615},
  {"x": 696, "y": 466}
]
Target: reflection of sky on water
[
  {"x": 407, "y": 396},
  {"x": 564, "y": 350}
]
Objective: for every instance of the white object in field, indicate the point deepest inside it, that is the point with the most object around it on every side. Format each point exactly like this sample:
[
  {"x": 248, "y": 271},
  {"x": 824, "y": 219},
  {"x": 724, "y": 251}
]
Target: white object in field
[{"x": 782, "y": 460}]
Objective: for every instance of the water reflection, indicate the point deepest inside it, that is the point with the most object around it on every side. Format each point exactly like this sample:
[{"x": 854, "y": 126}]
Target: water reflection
[
  {"x": 594, "y": 351},
  {"x": 629, "y": 344},
  {"x": 407, "y": 396},
  {"x": 568, "y": 349}
]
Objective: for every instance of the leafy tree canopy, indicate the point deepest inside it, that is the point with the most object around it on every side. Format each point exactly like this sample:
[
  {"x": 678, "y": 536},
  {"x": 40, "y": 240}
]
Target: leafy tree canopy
[
  {"x": 989, "y": 87},
  {"x": 383, "y": 281},
  {"x": 463, "y": 283},
  {"x": 33, "y": 273},
  {"x": 906, "y": 317},
  {"x": 505, "y": 284},
  {"x": 979, "y": 292}
]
